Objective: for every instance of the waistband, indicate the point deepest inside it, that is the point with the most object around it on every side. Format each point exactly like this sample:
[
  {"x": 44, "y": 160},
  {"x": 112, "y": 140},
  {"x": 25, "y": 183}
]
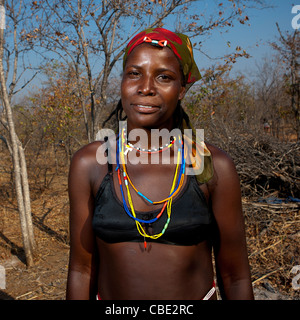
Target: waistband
[{"x": 210, "y": 292}]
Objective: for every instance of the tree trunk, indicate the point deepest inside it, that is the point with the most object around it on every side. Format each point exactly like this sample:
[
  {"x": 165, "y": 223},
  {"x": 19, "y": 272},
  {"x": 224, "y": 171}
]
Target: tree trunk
[
  {"x": 26, "y": 196},
  {"x": 19, "y": 184}
]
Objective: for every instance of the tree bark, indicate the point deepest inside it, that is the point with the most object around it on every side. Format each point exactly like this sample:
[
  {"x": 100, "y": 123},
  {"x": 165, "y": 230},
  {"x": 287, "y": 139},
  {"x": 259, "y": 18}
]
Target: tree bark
[
  {"x": 15, "y": 155},
  {"x": 26, "y": 196}
]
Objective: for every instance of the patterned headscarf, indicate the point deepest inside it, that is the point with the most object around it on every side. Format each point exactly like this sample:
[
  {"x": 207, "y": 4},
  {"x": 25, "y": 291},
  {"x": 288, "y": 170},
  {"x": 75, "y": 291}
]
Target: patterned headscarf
[{"x": 179, "y": 43}]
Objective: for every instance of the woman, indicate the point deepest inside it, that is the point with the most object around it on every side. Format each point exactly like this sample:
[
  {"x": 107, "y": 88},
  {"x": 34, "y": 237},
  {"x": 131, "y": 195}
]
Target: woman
[{"x": 146, "y": 231}]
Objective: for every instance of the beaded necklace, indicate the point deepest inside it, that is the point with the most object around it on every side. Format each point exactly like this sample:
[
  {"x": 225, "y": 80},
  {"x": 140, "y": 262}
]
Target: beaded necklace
[
  {"x": 180, "y": 180},
  {"x": 168, "y": 200},
  {"x": 129, "y": 146}
]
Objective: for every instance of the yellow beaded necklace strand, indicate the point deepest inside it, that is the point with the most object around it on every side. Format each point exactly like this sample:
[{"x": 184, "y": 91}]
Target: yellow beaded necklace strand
[{"x": 168, "y": 201}]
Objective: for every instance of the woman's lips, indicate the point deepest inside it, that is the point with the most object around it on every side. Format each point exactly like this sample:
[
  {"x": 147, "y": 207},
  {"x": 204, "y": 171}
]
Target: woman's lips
[{"x": 145, "y": 108}]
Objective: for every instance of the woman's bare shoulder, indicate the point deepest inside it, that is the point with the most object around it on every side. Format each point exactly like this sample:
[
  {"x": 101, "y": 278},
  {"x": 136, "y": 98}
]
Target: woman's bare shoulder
[
  {"x": 91, "y": 160},
  {"x": 85, "y": 162},
  {"x": 86, "y": 155},
  {"x": 221, "y": 160},
  {"x": 225, "y": 173}
]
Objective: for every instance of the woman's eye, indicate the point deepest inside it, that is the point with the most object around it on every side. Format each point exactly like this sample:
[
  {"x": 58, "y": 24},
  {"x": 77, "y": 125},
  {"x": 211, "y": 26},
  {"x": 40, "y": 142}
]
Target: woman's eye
[
  {"x": 133, "y": 73},
  {"x": 164, "y": 77}
]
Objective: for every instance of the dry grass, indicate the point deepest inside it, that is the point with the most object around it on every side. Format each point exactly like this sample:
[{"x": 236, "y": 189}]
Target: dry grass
[{"x": 273, "y": 239}]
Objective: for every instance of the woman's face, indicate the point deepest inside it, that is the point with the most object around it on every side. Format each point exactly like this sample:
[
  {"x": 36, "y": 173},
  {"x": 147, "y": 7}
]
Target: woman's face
[{"x": 151, "y": 87}]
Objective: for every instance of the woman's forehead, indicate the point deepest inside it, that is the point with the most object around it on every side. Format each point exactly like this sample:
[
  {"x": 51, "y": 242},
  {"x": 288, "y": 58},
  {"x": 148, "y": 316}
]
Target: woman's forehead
[{"x": 146, "y": 53}]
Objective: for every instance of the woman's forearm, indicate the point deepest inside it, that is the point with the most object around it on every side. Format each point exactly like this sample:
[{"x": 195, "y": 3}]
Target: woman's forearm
[
  {"x": 237, "y": 290},
  {"x": 79, "y": 285}
]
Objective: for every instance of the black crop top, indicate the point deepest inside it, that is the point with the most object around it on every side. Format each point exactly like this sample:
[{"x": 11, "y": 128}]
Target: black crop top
[{"x": 191, "y": 218}]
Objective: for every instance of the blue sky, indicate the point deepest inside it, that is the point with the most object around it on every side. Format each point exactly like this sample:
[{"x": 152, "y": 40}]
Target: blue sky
[{"x": 254, "y": 38}]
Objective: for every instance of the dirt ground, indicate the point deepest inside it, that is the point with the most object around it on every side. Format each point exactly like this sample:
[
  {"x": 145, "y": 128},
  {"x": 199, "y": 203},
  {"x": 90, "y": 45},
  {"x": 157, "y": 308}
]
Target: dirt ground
[
  {"x": 46, "y": 280},
  {"x": 273, "y": 239}
]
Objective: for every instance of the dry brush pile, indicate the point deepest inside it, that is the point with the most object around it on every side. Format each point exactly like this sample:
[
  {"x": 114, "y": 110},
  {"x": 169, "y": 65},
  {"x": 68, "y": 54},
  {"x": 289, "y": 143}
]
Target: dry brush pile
[{"x": 269, "y": 171}]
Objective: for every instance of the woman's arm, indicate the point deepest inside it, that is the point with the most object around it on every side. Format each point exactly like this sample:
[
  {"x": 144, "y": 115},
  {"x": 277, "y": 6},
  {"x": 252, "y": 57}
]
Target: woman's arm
[
  {"x": 82, "y": 262},
  {"x": 230, "y": 249}
]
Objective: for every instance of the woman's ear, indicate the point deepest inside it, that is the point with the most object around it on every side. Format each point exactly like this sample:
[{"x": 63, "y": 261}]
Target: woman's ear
[{"x": 182, "y": 93}]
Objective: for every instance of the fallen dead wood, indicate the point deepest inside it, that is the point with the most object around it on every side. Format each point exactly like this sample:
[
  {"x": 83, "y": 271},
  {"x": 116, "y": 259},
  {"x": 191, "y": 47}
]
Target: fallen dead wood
[
  {"x": 273, "y": 244},
  {"x": 266, "y": 275},
  {"x": 264, "y": 249},
  {"x": 283, "y": 206},
  {"x": 264, "y": 163}
]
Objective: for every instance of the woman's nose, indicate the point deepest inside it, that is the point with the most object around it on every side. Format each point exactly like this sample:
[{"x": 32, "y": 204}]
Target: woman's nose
[{"x": 147, "y": 86}]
